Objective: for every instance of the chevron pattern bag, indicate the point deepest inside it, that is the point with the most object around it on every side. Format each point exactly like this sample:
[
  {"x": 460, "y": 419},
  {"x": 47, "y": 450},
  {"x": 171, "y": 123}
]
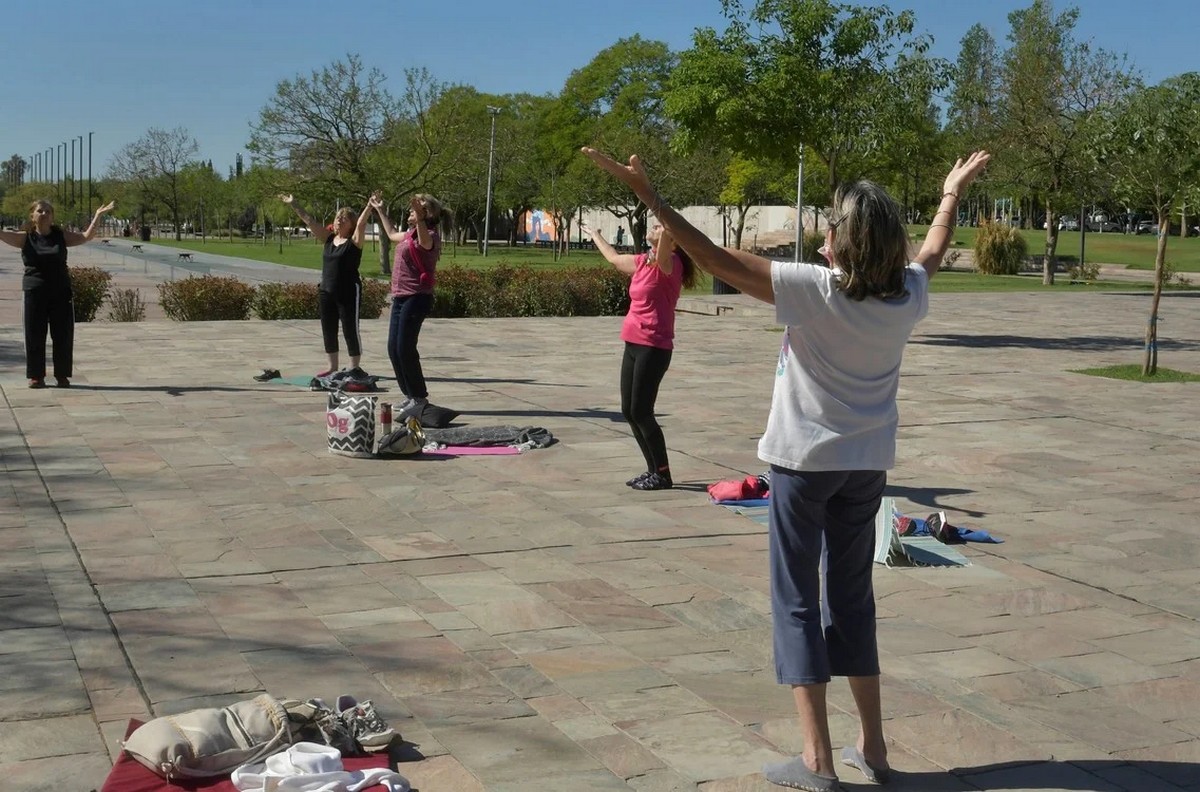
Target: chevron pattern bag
[{"x": 350, "y": 420}]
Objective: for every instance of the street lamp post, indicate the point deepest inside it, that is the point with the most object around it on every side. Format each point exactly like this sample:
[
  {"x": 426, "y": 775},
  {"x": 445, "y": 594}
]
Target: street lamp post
[
  {"x": 487, "y": 217},
  {"x": 800, "y": 203},
  {"x": 90, "y": 173}
]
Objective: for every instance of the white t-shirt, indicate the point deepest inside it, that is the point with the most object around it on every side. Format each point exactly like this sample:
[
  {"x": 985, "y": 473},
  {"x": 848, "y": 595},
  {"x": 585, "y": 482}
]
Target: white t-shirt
[{"x": 834, "y": 405}]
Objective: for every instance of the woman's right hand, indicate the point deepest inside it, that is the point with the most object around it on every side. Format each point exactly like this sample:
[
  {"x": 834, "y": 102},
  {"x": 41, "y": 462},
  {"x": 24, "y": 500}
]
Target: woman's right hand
[
  {"x": 286, "y": 198},
  {"x": 963, "y": 173},
  {"x": 375, "y": 201}
]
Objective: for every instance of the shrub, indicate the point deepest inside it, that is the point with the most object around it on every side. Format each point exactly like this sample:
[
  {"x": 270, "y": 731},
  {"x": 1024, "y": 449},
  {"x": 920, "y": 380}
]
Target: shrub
[
  {"x": 999, "y": 249},
  {"x": 809, "y": 245},
  {"x": 375, "y": 294},
  {"x": 522, "y": 291},
  {"x": 89, "y": 285},
  {"x": 126, "y": 305},
  {"x": 286, "y": 301},
  {"x": 205, "y": 298}
]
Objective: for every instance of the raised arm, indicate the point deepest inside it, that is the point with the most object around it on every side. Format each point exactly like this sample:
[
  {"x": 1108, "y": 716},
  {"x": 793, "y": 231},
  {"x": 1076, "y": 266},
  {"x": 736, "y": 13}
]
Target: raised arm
[
  {"x": 74, "y": 238},
  {"x": 319, "y": 231},
  {"x": 424, "y": 238},
  {"x": 376, "y": 203},
  {"x": 748, "y": 273},
  {"x": 14, "y": 238},
  {"x": 360, "y": 230},
  {"x": 662, "y": 252},
  {"x": 622, "y": 261},
  {"x": 942, "y": 230}
]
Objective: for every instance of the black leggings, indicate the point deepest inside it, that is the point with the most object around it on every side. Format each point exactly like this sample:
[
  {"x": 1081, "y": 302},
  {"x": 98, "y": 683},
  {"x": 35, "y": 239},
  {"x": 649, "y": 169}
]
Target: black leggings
[
  {"x": 642, "y": 371},
  {"x": 341, "y": 305},
  {"x": 53, "y": 310}
]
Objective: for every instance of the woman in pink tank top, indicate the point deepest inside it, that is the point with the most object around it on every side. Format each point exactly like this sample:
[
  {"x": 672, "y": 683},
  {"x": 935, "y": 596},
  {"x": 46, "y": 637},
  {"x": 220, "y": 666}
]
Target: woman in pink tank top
[{"x": 657, "y": 278}]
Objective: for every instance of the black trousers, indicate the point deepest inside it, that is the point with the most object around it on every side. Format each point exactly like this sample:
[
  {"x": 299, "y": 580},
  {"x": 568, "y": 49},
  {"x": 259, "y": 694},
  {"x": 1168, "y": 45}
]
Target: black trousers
[
  {"x": 53, "y": 310},
  {"x": 404, "y": 329},
  {"x": 341, "y": 305},
  {"x": 642, "y": 371}
]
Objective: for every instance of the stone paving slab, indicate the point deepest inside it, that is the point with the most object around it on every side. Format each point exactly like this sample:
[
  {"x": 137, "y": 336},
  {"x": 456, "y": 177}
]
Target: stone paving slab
[{"x": 174, "y": 535}]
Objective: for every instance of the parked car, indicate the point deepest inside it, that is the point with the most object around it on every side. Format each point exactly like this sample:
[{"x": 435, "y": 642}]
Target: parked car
[
  {"x": 1146, "y": 227},
  {"x": 1066, "y": 223},
  {"x": 1103, "y": 225}
]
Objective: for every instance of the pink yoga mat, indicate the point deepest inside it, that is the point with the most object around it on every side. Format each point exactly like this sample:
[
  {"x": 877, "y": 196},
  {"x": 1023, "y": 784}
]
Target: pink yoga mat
[{"x": 474, "y": 451}]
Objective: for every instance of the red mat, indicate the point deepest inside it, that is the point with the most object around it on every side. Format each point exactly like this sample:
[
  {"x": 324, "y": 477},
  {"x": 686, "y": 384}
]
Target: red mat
[{"x": 130, "y": 775}]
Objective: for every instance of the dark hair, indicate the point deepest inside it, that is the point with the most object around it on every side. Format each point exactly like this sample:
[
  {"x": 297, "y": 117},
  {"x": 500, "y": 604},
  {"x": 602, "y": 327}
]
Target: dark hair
[
  {"x": 437, "y": 216},
  {"x": 689, "y": 268},
  {"x": 870, "y": 242},
  {"x": 30, "y": 225}
]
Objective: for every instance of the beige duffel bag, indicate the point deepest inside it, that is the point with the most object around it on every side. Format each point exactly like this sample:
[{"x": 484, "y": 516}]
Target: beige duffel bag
[{"x": 211, "y": 742}]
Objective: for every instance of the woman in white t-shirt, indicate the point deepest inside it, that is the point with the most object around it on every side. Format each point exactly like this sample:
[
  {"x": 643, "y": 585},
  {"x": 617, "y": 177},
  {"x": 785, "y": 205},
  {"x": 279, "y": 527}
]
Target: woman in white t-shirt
[{"x": 830, "y": 438}]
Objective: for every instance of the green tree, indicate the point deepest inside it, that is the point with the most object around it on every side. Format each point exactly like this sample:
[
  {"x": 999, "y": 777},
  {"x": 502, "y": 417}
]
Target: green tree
[
  {"x": 153, "y": 165},
  {"x": 12, "y": 171},
  {"x": 839, "y": 79},
  {"x": 750, "y": 183},
  {"x": 615, "y": 103},
  {"x": 1052, "y": 90},
  {"x": 1150, "y": 144}
]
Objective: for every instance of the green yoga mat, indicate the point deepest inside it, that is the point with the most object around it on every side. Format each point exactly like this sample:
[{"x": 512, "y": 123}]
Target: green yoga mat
[{"x": 924, "y": 550}]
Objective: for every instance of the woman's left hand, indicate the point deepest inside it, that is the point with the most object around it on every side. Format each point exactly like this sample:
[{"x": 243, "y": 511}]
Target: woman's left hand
[
  {"x": 108, "y": 207},
  {"x": 633, "y": 174},
  {"x": 417, "y": 206}
]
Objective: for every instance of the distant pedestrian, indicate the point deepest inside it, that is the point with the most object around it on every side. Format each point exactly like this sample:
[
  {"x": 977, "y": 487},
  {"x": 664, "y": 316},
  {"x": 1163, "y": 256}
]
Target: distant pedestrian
[
  {"x": 657, "y": 278},
  {"x": 47, "y": 285},
  {"x": 413, "y": 277},
  {"x": 620, "y": 239},
  {"x": 830, "y": 438},
  {"x": 339, "y": 296}
]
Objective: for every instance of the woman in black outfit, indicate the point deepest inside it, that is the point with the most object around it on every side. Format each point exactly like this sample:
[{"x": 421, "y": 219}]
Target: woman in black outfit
[
  {"x": 47, "y": 285},
  {"x": 340, "y": 293}
]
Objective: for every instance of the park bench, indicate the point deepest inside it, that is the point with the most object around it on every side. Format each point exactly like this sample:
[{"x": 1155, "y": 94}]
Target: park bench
[
  {"x": 185, "y": 256},
  {"x": 136, "y": 248}
]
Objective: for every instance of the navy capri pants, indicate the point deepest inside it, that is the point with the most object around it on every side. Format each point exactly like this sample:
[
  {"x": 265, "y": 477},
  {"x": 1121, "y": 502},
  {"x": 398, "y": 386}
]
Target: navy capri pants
[{"x": 840, "y": 507}]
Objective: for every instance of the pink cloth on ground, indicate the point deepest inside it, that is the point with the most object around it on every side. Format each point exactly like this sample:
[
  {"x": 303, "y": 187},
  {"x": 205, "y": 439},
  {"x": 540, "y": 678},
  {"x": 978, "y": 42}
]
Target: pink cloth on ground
[{"x": 474, "y": 451}]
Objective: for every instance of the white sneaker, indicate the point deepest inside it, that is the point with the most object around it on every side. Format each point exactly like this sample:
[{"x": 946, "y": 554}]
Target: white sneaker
[
  {"x": 413, "y": 408},
  {"x": 368, "y": 728}
]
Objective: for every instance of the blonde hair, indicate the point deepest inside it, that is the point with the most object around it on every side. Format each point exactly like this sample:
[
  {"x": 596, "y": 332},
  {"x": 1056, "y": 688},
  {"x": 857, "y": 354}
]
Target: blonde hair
[
  {"x": 345, "y": 213},
  {"x": 29, "y": 224},
  {"x": 870, "y": 242}
]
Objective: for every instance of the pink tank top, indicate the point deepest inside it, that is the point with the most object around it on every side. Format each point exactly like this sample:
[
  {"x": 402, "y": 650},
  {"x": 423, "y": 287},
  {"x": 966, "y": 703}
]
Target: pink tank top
[{"x": 652, "y": 299}]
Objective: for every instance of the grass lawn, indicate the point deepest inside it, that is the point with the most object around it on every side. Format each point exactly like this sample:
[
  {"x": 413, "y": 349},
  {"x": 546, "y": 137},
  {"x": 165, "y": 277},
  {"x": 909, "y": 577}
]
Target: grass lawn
[
  {"x": 1134, "y": 373},
  {"x": 1133, "y": 251}
]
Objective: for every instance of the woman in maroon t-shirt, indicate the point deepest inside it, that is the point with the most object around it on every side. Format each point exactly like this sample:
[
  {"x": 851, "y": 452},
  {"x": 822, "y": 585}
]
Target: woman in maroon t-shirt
[
  {"x": 657, "y": 278},
  {"x": 417, "y": 253}
]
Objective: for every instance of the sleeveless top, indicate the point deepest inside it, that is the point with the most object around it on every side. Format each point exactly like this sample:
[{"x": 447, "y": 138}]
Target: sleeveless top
[
  {"x": 45, "y": 260},
  {"x": 339, "y": 265}
]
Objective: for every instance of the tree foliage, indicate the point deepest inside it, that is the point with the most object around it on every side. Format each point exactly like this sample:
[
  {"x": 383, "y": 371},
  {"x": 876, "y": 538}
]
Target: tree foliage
[
  {"x": 1150, "y": 144},
  {"x": 153, "y": 165},
  {"x": 839, "y": 79}
]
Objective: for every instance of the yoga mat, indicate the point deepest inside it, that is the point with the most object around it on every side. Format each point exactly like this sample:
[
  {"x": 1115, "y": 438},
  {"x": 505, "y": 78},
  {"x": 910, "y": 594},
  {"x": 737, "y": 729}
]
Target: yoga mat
[
  {"x": 130, "y": 775},
  {"x": 474, "y": 451}
]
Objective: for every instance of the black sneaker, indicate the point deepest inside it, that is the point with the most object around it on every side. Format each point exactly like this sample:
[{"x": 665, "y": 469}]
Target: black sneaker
[
  {"x": 654, "y": 481},
  {"x": 357, "y": 373},
  {"x": 268, "y": 375},
  {"x": 639, "y": 477}
]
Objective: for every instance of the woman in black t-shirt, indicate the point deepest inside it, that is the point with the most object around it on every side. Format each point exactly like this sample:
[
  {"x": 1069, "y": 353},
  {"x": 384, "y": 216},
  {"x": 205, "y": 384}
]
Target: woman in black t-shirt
[
  {"x": 47, "y": 286},
  {"x": 340, "y": 293}
]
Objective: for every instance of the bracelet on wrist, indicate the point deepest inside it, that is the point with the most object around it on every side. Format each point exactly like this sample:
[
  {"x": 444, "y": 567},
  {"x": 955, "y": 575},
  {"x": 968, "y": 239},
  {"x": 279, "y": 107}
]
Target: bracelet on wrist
[{"x": 951, "y": 194}]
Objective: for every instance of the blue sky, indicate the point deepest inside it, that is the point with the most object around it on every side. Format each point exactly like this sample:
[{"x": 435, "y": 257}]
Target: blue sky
[{"x": 120, "y": 67}]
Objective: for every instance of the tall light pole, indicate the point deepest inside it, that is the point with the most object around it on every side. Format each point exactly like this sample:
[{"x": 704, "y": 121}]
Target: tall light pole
[
  {"x": 90, "y": 173},
  {"x": 487, "y": 217},
  {"x": 800, "y": 204}
]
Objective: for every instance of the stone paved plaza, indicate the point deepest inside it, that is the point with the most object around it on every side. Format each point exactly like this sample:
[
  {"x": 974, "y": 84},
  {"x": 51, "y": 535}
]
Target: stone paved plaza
[{"x": 174, "y": 535}]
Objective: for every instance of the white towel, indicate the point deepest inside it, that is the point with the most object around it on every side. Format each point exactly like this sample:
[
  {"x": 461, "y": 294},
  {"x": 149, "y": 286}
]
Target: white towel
[{"x": 311, "y": 767}]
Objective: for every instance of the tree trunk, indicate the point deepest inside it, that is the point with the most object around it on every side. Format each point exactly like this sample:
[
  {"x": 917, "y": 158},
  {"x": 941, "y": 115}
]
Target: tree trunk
[
  {"x": 740, "y": 227},
  {"x": 1150, "y": 360},
  {"x": 385, "y": 252},
  {"x": 1051, "y": 246},
  {"x": 1183, "y": 221}
]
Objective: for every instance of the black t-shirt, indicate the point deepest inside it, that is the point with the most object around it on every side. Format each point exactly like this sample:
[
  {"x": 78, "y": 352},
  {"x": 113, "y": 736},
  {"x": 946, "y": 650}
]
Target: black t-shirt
[
  {"x": 339, "y": 265},
  {"x": 45, "y": 260}
]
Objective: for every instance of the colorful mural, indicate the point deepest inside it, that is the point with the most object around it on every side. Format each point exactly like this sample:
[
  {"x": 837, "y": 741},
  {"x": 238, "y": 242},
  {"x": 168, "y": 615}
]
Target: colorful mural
[{"x": 539, "y": 225}]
